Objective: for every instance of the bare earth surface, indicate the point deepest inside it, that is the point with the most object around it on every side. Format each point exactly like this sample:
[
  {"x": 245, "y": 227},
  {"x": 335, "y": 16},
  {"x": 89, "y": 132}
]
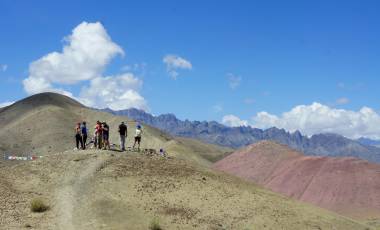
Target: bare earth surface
[
  {"x": 348, "y": 186},
  {"x": 109, "y": 190}
]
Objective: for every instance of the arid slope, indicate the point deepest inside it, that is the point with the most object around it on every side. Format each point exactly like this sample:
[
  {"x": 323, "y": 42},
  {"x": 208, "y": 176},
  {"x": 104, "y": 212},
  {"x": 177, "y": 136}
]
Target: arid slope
[
  {"x": 110, "y": 190},
  {"x": 348, "y": 186}
]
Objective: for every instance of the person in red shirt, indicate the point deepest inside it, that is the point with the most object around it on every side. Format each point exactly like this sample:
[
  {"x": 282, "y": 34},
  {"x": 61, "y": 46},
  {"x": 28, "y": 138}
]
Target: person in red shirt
[{"x": 98, "y": 135}]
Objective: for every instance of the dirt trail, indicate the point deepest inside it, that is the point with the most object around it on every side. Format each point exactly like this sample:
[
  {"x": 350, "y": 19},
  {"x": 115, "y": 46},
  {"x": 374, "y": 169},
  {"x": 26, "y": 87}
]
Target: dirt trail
[{"x": 71, "y": 196}]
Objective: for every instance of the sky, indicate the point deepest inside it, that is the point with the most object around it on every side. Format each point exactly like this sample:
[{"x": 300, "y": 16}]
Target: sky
[{"x": 312, "y": 66}]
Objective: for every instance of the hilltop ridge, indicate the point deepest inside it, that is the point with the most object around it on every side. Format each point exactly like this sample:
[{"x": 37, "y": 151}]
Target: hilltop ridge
[{"x": 44, "y": 123}]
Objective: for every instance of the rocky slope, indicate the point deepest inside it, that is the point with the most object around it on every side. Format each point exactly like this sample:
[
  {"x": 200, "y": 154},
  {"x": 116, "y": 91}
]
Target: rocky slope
[
  {"x": 346, "y": 185},
  {"x": 236, "y": 137}
]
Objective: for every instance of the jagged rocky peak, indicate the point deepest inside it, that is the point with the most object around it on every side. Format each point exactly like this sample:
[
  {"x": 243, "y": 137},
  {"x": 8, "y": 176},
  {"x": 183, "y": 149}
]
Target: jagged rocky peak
[{"x": 326, "y": 144}]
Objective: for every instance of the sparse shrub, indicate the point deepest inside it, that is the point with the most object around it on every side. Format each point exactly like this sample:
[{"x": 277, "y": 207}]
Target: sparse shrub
[
  {"x": 38, "y": 205},
  {"x": 155, "y": 225}
]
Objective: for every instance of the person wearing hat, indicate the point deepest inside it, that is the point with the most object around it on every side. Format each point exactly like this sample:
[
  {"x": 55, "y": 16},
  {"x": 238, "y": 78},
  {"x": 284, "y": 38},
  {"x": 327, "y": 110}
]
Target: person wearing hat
[
  {"x": 138, "y": 136},
  {"x": 123, "y": 135}
]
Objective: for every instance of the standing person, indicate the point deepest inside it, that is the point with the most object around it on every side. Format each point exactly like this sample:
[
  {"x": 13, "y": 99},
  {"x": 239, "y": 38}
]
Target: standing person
[
  {"x": 84, "y": 134},
  {"x": 78, "y": 137},
  {"x": 138, "y": 136},
  {"x": 162, "y": 152},
  {"x": 95, "y": 138},
  {"x": 98, "y": 135},
  {"x": 106, "y": 136},
  {"x": 123, "y": 134}
]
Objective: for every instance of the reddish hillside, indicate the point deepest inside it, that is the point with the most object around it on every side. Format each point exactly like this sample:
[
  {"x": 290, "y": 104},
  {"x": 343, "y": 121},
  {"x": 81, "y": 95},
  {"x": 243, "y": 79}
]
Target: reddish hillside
[{"x": 345, "y": 185}]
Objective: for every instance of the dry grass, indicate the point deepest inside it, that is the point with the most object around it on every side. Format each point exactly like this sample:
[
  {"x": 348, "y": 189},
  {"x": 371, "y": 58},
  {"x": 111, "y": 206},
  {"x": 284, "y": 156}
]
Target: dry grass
[
  {"x": 38, "y": 205},
  {"x": 155, "y": 225}
]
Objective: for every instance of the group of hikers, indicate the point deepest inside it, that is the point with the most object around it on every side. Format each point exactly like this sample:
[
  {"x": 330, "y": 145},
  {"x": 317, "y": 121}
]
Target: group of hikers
[{"x": 101, "y": 135}]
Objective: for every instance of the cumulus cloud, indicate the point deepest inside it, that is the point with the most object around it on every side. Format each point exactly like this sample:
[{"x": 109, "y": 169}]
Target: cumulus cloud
[
  {"x": 3, "y": 67},
  {"x": 342, "y": 101},
  {"x": 233, "y": 80},
  {"x": 87, "y": 52},
  {"x": 318, "y": 118},
  {"x": 83, "y": 59},
  {"x": 233, "y": 121},
  {"x": 7, "y": 103},
  {"x": 174, "y": 63},
  {"x": 115, "y": 92}
]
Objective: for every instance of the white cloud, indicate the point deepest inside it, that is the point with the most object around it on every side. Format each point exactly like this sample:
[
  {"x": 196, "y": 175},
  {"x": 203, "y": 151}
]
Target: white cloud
[
  {"x": 134, "y": 67},
  {"x": 342, "y": 101},
  {"x": 233, "y": 80},
  {"x": 352, "y": 86},
  {"x": 174, "y": 63},
  {"x": 7, "y": 103},
  {"x": 88, "y": 51},
  {"x": 233, "y": 121},
  {"x": 83, "y": 59},
  {"x": 115, "y": 92},
  {"x": 3, "y": 67},
  {"x": 318, "y": 118},
  {"x": 217, "y": 108}
]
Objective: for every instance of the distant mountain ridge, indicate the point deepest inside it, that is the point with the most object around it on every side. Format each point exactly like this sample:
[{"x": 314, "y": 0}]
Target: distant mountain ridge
[
  {"x": 213, "y": 132},
  {"x": 370, "y": 142}
]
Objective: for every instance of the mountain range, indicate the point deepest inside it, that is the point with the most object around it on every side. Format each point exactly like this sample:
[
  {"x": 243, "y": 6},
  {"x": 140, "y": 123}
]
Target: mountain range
[
  {"x": 326, "y": 144},
  {"x": 370, "y": 142}
]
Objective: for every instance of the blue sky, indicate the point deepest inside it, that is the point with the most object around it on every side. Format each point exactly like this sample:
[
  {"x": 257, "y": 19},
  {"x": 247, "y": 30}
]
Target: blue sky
[{"x": 280, "y": 54}]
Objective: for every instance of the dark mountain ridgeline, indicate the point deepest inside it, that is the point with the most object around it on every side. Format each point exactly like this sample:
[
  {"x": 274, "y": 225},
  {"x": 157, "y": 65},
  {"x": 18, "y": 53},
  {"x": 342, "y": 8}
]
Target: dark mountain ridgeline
[
  {"x": 369, "y": 142},
  {"x": 326, "y": 144}
]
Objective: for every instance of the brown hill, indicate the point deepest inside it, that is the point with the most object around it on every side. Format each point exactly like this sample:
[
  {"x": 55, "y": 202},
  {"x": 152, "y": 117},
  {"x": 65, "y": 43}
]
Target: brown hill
[
  {"x": 95, "y": 189},
  {"x": 348, "y": 186},
  {"x": 44, "y": 124}
]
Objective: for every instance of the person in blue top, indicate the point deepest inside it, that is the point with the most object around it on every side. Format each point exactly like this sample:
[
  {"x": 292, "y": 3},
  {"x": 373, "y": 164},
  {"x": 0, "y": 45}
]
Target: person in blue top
[{"x": 84, "y": 134}]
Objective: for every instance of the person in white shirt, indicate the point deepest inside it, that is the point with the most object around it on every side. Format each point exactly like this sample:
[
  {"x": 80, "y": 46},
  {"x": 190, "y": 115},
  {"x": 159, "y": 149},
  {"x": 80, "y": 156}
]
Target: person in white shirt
[{"x": 138, "y": 136}]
